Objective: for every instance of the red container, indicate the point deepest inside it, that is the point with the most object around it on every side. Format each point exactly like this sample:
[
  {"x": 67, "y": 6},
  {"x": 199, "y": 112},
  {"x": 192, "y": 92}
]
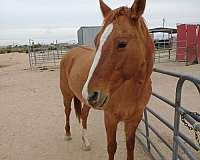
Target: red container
[
  {"x": 181, "y": 42},
  {"x": 187, "y": 37},
  {"x": 191, "y": 43},
  {"x": 198, "y": 55}
]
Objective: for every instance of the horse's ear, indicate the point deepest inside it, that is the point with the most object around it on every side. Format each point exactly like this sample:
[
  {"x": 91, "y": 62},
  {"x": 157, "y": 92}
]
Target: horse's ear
[
  {"x": 104, "y": 8},
  {"x": 137, "y": 8}
]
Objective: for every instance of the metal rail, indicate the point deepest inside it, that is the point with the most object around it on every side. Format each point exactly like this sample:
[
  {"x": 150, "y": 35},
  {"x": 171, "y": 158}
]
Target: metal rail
[
  {"x": 180, "y": 140},
  {"x": 169, "y": 50},
  {"x": 45, "y": 56}
]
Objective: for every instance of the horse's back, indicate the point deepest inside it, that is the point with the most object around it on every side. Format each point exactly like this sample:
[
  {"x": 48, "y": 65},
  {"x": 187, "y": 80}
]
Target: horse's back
[
  {"x": 74, "y": 68},
  {"x": 75, "y": 54}
]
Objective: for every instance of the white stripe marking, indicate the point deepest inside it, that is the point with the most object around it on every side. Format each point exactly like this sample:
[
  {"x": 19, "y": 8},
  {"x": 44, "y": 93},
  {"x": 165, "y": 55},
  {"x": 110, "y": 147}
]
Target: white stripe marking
[{"x": 97, "y": 57}]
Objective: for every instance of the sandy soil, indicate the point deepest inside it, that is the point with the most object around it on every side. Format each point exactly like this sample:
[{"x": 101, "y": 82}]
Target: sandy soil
[
  {"x": 32, "y": 118},
  {"x": 32, "y": 115}
]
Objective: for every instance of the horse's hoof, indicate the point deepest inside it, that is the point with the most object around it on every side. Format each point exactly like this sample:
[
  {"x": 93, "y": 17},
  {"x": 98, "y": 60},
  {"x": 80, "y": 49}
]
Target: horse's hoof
[
  {"x": 86, "y": 148},
  {"x": 67, "y": 138}
]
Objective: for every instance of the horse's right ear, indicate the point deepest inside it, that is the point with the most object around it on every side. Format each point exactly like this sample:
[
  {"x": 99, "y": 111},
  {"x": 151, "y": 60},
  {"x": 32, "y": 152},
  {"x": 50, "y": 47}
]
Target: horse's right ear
[
  {"x": 104, "y": 8},
  {"x": 137, "y": 8}
]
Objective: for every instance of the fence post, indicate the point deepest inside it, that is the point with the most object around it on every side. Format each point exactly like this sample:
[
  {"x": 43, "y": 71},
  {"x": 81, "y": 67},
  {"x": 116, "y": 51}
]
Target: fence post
[
  {"x": 147, "y": 129},
  {"x": 177, "y": 117},
  {"x": 29, "y": 56}
]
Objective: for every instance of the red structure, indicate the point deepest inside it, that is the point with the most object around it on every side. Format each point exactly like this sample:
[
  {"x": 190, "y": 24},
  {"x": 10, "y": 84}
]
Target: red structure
[
  {"x": 188, "y": 43},
  {"x": 181, "y": 42},
  {"x": 199, "y": 46}
]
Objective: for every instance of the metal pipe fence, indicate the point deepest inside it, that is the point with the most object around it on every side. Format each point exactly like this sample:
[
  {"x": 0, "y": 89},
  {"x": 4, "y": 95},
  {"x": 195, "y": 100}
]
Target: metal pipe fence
[
  {"x": 165, "y": 51},
  {"x": 45, "y": 56},
  {"x": 180, "y": 140},
  {"x": 168, "y": 50}
]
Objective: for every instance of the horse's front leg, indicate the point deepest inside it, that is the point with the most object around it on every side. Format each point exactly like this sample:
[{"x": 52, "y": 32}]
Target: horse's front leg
[
  {"x": 111, "y": 129},
  {"x": 130, "y": 129},
  {"x": 84, "y": 117}
]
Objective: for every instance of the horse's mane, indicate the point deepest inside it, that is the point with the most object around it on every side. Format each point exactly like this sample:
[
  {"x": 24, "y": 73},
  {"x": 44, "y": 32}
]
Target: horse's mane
[
  {"x": 86, "y": 48},
  {"x": 125, "y": 11}
]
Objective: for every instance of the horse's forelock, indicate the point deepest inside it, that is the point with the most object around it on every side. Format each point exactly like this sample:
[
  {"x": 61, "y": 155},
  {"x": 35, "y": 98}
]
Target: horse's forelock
[{"x": 122, "y": 11}]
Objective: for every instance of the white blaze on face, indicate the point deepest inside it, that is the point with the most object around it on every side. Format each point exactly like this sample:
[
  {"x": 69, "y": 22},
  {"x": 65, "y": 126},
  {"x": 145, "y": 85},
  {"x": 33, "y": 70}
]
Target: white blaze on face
[{"x": 97, "y": 57}]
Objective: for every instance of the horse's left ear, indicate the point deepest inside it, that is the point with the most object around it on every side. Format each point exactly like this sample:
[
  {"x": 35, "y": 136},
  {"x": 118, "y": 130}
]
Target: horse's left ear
[
  {"x": 104, "y": 8},
  {"x": 137, "y": 8}
]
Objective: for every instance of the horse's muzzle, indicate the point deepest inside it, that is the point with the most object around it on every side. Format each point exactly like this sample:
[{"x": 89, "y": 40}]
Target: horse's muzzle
[{"x": 97, "y": 100}]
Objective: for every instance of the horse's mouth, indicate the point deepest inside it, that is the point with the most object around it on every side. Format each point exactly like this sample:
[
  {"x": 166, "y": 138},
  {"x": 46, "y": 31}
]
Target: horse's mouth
[{"x": 102, "y": 102}]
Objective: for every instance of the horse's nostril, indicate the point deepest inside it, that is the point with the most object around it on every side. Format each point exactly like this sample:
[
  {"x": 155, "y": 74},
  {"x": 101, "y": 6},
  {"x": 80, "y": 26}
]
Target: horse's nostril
[{"x": 93, "y": 97}]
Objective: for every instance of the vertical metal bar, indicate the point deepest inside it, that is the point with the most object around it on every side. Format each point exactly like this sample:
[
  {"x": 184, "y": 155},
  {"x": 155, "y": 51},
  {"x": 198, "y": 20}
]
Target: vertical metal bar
[
  {"x": 147, "y": 129},
  {"x": 57, "y": 49},
  {"x": 54, "y": 58},
  {"x": 164, "y": 41},
  {"x": 48, "y": 53},
  {"x": 43, "y": 54},
  {"x": 177, "y": 117},
  {"x": 29, "y": 54},
  {"x": 34, "y": 54},
  {"x": 158, "y": 56},
  {"x": 185, "y": 149}
]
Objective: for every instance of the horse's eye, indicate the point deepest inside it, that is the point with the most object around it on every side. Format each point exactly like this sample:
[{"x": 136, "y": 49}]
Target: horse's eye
[{"x": 121, "y": 45}]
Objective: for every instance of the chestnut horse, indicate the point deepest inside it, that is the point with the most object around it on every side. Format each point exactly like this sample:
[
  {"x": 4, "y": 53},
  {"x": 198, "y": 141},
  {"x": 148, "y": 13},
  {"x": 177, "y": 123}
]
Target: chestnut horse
[{"x": 113, "y": 77}]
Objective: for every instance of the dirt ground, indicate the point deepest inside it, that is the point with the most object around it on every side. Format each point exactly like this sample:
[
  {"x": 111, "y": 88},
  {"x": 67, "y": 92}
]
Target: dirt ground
[{"x": 32, "y": 115}]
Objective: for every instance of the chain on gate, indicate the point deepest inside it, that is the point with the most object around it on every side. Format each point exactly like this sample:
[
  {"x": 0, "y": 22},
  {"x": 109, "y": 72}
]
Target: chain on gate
[{"x": 192, "y": 127}]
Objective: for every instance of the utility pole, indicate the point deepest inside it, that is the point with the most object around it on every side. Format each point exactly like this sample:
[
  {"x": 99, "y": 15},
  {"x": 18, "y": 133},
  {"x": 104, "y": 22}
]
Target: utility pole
[
  {"x": 163, "y": 31},
  {"x": 163, "y": 22}
]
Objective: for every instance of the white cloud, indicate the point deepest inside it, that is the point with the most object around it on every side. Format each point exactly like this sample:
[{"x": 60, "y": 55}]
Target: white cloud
[
  {"x": 43, "y": 35},
  {"x": 50, "y": 19}
]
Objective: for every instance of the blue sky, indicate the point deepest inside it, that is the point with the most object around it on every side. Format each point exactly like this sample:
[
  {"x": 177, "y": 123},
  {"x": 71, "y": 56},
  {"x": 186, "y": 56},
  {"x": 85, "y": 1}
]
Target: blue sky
[{"x": 48, "y": 20}]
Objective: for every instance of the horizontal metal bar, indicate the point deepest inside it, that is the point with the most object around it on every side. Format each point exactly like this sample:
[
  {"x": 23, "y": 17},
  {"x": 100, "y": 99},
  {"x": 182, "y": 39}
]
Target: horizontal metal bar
[
  {"x": 145, "y": 146},
  {"x": 167, "y": 72},
  {"x": 158, "y": 135},
  {"x": 178, "y": 75},
  {"x": 190, "y": 119},
  {"x": 197, "y": 118},
  {"x": 185, "y": 138},
  {"x": 153, "y": 145},
  {"x": 160, "y": 118},
  {"x": 164, "y": 99},
  {"x": 185, "y": 149}
]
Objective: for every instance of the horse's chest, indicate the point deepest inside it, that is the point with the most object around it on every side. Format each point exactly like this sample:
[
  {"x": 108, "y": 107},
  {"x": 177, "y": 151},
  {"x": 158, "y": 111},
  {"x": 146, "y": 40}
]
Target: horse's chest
[{"x": 124, "y": 111}]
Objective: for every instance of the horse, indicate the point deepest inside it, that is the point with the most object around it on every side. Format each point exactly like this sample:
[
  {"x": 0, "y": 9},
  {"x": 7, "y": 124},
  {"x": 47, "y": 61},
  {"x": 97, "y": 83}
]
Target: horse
[{"x": 113, "y": 77}]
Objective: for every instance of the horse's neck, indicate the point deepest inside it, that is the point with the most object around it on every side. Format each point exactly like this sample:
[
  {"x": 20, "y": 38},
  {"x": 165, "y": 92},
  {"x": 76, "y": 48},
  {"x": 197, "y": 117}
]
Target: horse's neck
[
  {"x": 128, "y": 91},
  {"x": 129, "y": 99}
]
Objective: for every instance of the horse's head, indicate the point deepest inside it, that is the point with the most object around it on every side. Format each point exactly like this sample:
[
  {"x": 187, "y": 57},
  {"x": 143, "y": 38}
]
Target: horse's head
[{"x": 123, "y": 47}]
